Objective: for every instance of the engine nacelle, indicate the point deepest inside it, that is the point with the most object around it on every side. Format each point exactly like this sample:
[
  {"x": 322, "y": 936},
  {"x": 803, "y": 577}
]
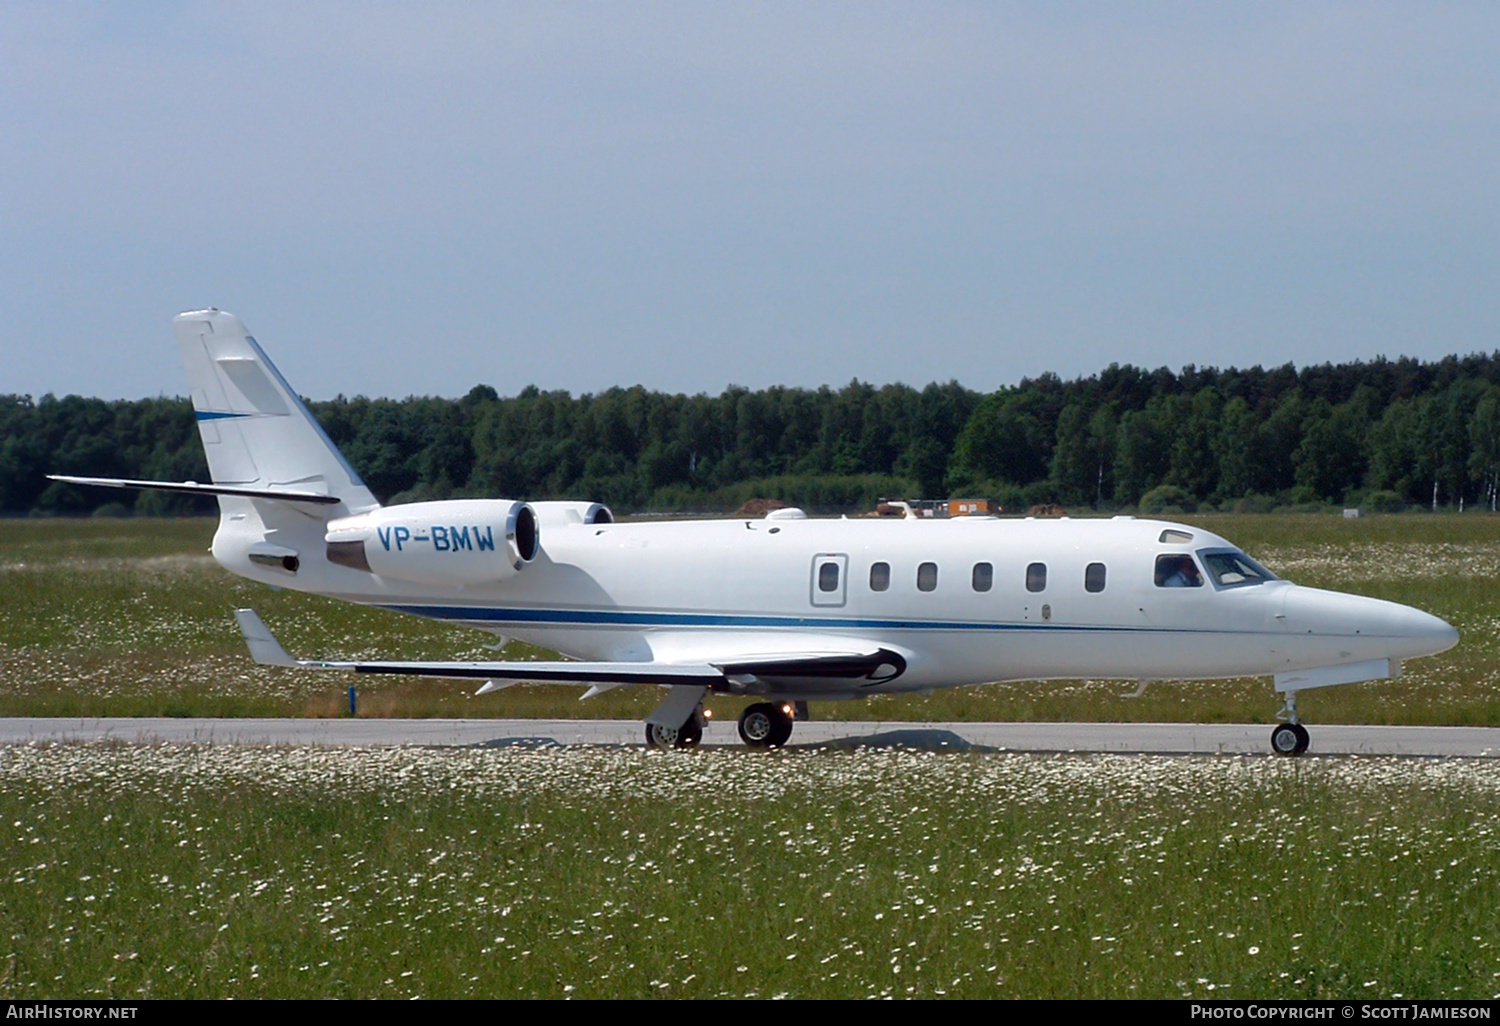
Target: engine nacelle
[
  {"x": 563, "y": 513},
  {"x": 457, "y": 542}
]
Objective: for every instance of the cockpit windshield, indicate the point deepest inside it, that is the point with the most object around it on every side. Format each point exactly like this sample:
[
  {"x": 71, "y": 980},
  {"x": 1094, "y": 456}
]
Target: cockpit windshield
[{"x": 1230, "y": 568}]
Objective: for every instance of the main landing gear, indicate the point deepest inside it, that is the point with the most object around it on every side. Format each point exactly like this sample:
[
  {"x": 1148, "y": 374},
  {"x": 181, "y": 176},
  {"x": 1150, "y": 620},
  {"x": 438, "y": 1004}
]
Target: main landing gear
[
  {"x": 678, "y": 721},
  {"x": 766, "y": 725},
  {"x": 762, "y": 725},
  {"x": 686, "y": 736},
  {"x": 1289, "y": 738}
]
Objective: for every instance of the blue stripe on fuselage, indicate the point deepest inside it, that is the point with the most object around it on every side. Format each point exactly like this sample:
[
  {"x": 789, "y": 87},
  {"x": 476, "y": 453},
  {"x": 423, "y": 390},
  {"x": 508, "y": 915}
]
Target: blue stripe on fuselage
[{"x": 611, "y": 618}]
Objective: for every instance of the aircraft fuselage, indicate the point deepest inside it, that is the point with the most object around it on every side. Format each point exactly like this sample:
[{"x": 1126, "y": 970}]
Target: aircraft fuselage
[{"x": 964, "y": 601}]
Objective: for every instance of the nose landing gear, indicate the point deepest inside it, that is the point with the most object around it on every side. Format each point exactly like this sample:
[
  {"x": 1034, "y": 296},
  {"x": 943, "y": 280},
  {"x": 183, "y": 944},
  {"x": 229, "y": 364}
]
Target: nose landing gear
[{"x": 1289, "y": 738}]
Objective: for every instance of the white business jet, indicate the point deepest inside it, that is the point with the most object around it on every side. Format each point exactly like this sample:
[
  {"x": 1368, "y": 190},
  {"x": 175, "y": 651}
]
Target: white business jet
[{"x": 786, "y": 608}]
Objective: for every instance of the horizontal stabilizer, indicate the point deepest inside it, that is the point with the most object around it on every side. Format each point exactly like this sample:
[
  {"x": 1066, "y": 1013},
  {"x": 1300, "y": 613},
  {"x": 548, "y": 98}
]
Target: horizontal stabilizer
[{"x": 277, "y": 494}]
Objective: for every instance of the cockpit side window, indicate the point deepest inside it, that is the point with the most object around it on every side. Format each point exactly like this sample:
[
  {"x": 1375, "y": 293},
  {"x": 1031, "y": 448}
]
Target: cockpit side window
[
  {"x": 1177, "y": 571},
  {"x": 1230, "y": 568}
]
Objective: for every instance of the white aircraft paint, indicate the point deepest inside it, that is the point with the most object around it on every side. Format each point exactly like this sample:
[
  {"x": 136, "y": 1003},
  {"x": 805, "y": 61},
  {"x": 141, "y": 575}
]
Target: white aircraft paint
[{"x": 786, "y": 607}]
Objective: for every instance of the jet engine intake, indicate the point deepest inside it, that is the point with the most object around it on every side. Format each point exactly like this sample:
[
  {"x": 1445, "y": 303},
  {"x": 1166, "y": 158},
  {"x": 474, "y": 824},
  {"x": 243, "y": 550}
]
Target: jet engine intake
[{"x": 562, "y": 513}]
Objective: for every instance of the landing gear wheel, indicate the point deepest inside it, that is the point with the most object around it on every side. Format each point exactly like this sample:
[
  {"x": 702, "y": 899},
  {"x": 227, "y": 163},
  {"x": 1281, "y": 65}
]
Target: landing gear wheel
[
  {"x": 764, "y": 725},
  {"x": 783, "y": 732},
  {"x": 686, "y": 736},
  {"x": 757, "y": 724},
  {"x": 1289, "y": 739},
  {"x": 659, "y": 736}
]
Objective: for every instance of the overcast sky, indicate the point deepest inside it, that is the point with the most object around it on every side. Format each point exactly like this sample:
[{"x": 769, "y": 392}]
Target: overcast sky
[{"x": 414, "y": 198}]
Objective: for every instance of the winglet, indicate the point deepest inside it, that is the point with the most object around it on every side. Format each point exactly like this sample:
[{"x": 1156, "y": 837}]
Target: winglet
[{"x": 264, "y": 648}]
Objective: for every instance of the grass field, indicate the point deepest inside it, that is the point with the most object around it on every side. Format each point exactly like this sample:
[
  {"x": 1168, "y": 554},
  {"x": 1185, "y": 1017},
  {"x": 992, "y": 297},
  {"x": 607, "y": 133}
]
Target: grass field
[
  {"x": 226, "y": 871},
  {"x": 133, "y": 618}
]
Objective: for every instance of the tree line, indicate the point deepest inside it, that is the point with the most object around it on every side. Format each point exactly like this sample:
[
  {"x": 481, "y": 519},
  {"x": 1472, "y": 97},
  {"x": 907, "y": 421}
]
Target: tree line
[{"x": 1388, "y": 434}]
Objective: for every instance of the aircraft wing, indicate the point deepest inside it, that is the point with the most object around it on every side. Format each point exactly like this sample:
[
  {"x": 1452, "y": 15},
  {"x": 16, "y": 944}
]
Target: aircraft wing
[{"x": 737, "y": 658}]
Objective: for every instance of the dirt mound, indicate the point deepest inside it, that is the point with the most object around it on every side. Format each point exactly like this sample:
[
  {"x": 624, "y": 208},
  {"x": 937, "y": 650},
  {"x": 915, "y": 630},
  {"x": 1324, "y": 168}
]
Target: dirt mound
[{"x": 759, "y": 507}]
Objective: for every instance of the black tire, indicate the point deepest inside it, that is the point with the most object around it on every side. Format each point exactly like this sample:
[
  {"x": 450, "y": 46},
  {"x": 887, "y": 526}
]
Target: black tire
[
  {"x": 757, "y": 725},
  {"x": 686, "y": 736},
  {"x": 1289, "y": 739},
  {"x": 659, "y": 736},
  {"x": 783, "y": 729},
  {"x": 765, "y": 725}
]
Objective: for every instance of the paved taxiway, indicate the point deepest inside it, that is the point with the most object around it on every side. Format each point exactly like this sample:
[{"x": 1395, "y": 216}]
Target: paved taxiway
[{"x": 1163, "y": 738}]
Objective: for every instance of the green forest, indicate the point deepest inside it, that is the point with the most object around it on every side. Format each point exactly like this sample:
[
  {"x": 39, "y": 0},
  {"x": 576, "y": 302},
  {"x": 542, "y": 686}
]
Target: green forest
[{"x": 1387, "y": 435}]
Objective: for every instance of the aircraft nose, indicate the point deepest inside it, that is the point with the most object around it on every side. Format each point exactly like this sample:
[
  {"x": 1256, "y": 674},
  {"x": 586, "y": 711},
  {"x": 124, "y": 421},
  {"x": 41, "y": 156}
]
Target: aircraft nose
[
  {"x": 1402, "y": 632},
  {"x": 1418, "y": 634}
]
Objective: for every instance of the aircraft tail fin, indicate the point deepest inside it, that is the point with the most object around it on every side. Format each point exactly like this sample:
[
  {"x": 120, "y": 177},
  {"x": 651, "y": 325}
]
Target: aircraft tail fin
[{"x": 256, "y": 432}]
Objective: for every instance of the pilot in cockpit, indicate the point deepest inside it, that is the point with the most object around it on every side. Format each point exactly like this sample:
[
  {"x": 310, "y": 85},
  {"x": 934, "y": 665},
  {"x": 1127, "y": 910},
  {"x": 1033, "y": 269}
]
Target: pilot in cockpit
[{"x": 1177, "y": 572}]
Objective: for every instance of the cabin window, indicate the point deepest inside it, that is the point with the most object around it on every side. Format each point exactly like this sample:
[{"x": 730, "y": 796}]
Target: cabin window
[
  {"x": 984, "y": 576},
  {"x": 1178, "y": 571},
  {"x": 1036, "y": 577},
  {"x": 828, "y": 577},
  {"x": 880, "y": 576},
  {"x": 1093, "y": 577},
  {"x": 927, "y": 577},
  {"x": 1231, "y": 569},
  {"x": 1170, "y": 535}
]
